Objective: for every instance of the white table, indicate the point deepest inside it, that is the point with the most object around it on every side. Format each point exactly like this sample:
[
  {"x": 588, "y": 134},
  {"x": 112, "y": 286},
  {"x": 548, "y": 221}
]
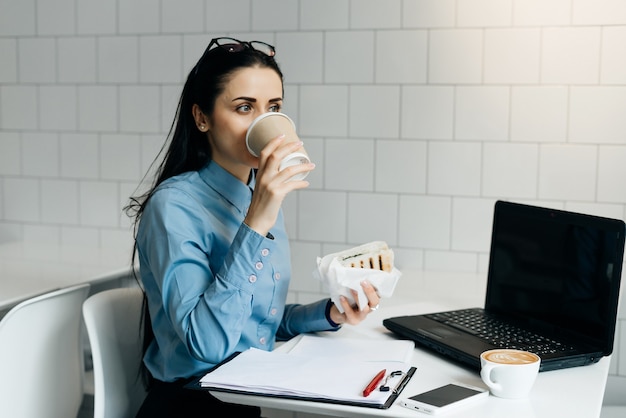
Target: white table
[
  {"x": 28, "y": 270},
  {"x": 575, "y": 392}
]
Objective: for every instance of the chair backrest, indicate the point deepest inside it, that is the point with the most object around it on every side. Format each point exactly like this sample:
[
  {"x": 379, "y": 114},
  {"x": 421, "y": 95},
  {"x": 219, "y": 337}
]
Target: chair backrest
[
  {"x": 41, "y": 356},
  {"x": 113, "y": 321}
]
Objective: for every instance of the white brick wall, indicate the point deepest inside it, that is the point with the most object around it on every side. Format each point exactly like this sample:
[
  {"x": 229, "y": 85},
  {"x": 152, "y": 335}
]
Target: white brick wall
[{"x": 424, "y": 111}]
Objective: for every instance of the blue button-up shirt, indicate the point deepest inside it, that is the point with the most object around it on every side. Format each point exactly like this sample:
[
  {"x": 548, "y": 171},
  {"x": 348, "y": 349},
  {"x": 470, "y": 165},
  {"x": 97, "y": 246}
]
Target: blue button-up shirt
[{"x": 214, "y": 285}]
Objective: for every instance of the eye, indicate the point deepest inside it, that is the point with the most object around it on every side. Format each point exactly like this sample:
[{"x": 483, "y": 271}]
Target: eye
[
  {"x": 244, "y": 108},
  {"x": 275, "y": 108}
]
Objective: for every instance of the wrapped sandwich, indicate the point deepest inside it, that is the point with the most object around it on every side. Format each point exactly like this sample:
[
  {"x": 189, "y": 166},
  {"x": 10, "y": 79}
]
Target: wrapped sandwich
[{"x": 345, "y": 270}]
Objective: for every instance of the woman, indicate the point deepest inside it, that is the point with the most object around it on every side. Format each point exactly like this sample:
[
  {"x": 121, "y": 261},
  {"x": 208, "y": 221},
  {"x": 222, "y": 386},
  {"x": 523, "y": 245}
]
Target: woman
[{"x": 210, "y": 238}]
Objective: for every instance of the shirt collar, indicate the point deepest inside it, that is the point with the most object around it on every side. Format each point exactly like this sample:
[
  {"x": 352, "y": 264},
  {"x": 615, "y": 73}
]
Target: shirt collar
[{"x": 227, "y": 185}]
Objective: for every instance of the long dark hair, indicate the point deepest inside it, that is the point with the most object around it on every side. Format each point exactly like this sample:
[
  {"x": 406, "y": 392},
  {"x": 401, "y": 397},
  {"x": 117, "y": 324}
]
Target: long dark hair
[{"x": 188, "y": 148}]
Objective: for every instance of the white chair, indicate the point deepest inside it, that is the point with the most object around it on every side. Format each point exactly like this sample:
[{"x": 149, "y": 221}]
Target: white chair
[
  {"x": 112, "y": 318},
  {"x": 41, "y": 356}
]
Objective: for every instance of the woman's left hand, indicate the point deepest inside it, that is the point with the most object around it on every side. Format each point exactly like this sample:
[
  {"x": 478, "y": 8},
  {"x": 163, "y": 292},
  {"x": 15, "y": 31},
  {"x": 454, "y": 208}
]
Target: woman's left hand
[{"x": 353, "y": 314}]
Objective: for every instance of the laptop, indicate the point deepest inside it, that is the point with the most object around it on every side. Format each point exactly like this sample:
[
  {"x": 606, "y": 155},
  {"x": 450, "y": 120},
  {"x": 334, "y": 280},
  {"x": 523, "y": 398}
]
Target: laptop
[{"x": 552, "y": 288}]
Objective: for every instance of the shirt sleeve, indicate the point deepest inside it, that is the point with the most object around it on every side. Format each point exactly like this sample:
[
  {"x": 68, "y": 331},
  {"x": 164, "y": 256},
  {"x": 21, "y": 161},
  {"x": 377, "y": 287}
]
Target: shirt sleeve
[{"x": 299, "y": 319}]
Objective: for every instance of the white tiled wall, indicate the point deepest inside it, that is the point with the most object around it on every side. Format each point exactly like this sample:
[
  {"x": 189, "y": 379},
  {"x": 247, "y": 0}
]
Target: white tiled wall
[{"x": 418, "y": 113}]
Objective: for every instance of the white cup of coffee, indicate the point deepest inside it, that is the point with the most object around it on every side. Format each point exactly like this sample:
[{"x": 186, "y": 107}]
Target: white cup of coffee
[
  {"x": 267, "y": 127},
  {"x": 509, "y": 373}
]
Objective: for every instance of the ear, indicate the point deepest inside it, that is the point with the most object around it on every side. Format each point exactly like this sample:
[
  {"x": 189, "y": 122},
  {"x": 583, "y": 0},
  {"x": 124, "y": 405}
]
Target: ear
[{"x": 202, "y": 122}]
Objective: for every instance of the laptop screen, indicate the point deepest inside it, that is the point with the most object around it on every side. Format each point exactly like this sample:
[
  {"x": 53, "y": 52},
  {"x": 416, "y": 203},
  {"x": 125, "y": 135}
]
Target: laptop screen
[{"x": 557, "y": 271}]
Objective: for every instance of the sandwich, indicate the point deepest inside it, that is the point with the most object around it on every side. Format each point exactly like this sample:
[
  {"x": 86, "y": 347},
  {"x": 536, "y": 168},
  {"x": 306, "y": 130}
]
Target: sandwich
[{"x": 374, "y": 255}]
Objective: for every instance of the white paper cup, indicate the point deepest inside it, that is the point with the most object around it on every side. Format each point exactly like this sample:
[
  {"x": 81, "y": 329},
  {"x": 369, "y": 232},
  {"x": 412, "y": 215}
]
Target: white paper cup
[
  {"x": 267, "y": 127},
  {"x": 508, "y": 373}
]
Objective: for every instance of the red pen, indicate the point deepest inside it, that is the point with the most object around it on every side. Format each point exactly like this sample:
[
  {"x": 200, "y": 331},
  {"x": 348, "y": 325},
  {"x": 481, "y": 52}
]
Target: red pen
[{"x": 375, "y": 381}]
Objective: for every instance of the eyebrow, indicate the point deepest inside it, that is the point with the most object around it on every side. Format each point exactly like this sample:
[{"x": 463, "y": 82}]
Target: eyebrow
[{"x": 253, "y": 100}]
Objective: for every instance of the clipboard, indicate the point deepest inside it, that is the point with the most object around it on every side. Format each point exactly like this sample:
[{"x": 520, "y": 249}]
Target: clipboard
[{"x": 383, "y": 401}]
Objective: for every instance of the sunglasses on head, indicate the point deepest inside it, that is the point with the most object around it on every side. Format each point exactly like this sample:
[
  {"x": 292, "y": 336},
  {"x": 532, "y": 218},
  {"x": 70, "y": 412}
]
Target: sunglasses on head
[{"x": 235, "y": 45}]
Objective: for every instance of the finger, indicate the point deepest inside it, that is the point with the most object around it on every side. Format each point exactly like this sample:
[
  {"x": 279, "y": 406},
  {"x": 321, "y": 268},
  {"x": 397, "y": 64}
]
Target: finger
[
  {"x": 267, "y": 155},
  {"x": 279, "y": 148},
  {"x": 345, "y": 303},
  {"x": 370, "y": 291},
  {"x": 272, "y": 145},
  {"x": 354, "y": 314},
  {"x": 294, "y": 146},
  {"x": 355, "y": 296},
  {"x": 296, "y": 169},
  {"x": 288, "y": 173},
  {"x": 348, "y": 310}
]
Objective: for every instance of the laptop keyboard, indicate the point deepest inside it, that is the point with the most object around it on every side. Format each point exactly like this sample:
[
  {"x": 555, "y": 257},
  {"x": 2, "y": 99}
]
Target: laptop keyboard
[{"x": 499, "y": 333}]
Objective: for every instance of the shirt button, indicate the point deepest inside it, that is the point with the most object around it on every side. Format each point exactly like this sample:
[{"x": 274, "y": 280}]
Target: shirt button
[
  {"x": 277, "y": 276},
  {"x": 252, "y": 278},
  {"x": 273, "y": 311},
  {"x": 265, "y": 252},
  {"x": 262, "y": 340},
  {"x": 258, "y": 265}
]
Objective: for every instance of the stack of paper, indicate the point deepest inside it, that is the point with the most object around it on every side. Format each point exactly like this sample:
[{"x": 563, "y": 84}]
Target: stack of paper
[
  {"x": 353, "y": 348},
  {"x": 316, "y": 369}
]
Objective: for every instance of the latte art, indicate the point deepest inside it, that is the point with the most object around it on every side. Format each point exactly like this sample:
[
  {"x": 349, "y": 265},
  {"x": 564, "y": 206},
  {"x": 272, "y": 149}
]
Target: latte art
[{"x": 511, "y": 357}]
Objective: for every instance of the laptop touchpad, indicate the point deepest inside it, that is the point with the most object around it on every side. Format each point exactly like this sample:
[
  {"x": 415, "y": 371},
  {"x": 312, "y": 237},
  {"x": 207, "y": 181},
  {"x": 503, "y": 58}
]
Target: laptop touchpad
[{"x": 439, "y": 332}]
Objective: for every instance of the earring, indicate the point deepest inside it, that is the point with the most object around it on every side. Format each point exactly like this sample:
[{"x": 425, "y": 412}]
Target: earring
[{"x": 202, "y": 128}]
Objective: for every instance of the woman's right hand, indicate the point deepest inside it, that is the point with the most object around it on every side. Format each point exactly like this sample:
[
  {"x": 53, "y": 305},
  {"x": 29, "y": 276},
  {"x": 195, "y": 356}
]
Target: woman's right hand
[{"x": 273, "y": 185}]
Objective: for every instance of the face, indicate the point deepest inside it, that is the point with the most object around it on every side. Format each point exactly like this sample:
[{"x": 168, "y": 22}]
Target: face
[{"x": 249, "y": 93}]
